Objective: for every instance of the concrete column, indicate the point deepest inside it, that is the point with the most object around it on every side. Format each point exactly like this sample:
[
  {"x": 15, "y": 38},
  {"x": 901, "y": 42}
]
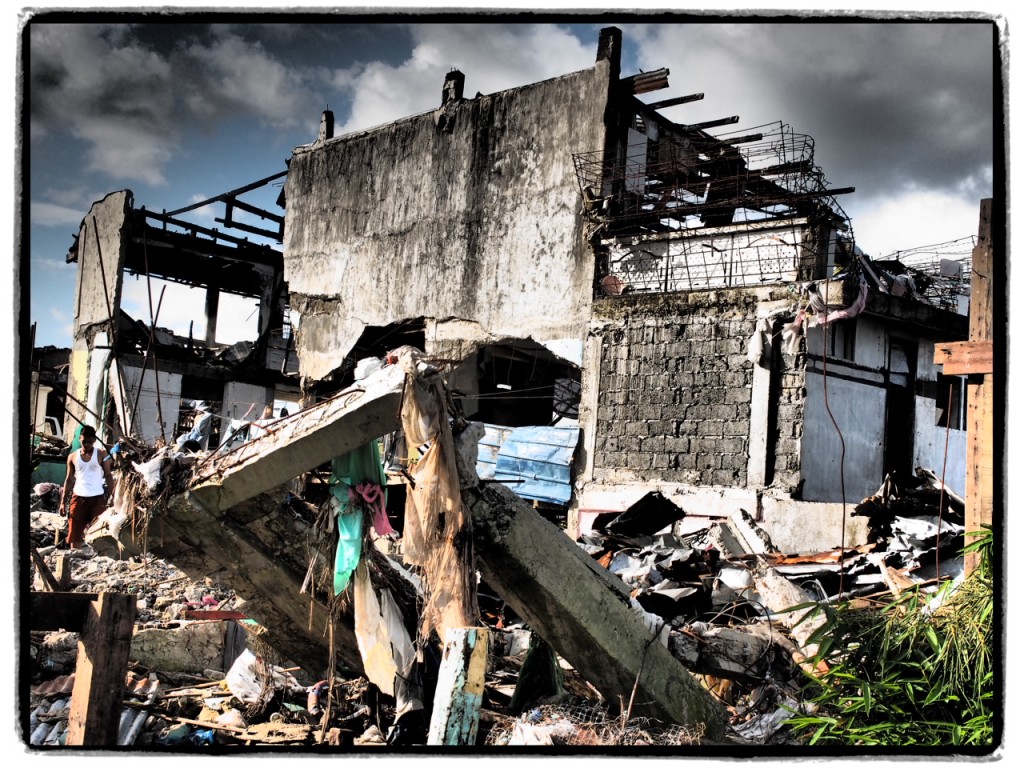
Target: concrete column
[
  {"x": 454, "y": 85},
  {"x": 590, "y": 386},
  {"x": 757, "y": 461},
  {"x": 583, "y": 612}
]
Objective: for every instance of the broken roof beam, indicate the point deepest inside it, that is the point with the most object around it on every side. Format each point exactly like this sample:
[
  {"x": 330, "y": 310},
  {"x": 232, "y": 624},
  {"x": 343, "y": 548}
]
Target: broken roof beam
[
  {"x": 230, "y": 193},
  {"x": 302, "y": 441},
  {"x": 583, "y": 612},
  {"x": 745, "y": 139},
  {"x": 645, "y": 82},
  {"x": 713, "y": 123},
  {"x": 666, "y": 103}
]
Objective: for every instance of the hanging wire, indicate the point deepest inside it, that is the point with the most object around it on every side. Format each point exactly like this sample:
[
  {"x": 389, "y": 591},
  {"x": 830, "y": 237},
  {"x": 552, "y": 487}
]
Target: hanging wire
[{"x": 842, "y": 444}]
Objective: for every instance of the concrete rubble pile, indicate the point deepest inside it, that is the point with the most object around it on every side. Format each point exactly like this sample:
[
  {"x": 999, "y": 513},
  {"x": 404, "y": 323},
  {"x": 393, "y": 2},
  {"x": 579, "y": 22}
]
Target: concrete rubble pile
[
  {"x": 726, "y": 594},
  {"x": 711, "y": 609}
]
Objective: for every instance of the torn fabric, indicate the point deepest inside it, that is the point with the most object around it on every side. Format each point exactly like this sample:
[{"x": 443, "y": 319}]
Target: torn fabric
[
  {"x": 384, "y": 643},
  {"x": 438, "y": 530},
  {"x": 760, "y": 343},
  {"x": 358, "y": 469}
]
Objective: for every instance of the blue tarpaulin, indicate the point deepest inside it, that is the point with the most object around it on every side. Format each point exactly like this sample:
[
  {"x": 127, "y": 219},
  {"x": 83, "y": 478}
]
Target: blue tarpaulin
[{"x": 539, "y": 457}]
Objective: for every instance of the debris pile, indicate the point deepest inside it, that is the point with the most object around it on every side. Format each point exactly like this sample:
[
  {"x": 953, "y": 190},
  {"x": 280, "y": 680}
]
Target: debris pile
[
  {"x": 724, "y": 602},
  {"x": 726, "y": 595}
]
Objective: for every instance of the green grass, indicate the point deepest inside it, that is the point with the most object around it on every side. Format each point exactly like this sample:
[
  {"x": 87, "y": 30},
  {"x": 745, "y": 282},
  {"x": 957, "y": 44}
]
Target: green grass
[{"x": 902, "y": 676}]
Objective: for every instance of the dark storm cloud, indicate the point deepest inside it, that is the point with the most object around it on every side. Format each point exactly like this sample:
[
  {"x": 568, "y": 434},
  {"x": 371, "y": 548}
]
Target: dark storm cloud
[
  {"x": 891, "y": 106},
  {"x": 129, "y": 91}
]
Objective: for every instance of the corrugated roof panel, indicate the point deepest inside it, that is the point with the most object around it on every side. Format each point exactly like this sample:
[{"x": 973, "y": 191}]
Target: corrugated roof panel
[{"x": 539, "y": 457}]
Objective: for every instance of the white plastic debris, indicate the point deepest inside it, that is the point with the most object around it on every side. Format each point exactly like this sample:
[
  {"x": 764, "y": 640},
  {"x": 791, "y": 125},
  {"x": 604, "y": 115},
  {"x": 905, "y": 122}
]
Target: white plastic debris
[{"x": 151, "y": 470}]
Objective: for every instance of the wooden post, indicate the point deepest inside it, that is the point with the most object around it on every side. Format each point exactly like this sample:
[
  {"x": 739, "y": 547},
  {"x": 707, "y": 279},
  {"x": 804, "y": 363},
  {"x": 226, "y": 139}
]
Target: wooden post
[
  {"x": 460, "y": 688},
  {"x": 980, "y": 397},
  {"x": 63, "y": 573},
  {"x": 975, "y": 359},
  {"x": 103, "y": 648},
  {"x": 49, "y": 580}
]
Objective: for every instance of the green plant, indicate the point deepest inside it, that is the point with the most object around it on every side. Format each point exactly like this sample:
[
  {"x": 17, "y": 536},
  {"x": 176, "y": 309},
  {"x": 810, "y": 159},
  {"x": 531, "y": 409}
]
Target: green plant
[{"x": 905, "y": 675}]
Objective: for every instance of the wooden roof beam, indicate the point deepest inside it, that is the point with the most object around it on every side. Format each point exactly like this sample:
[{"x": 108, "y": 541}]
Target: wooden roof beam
[
  {"x": 645, "y": 82},
  {"x": 676, "y": 101}
]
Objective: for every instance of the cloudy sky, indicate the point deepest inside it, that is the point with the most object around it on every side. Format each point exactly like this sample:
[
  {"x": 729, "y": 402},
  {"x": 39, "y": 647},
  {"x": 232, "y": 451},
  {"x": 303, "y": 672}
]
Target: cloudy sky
[{"x": 179, "y": 112}]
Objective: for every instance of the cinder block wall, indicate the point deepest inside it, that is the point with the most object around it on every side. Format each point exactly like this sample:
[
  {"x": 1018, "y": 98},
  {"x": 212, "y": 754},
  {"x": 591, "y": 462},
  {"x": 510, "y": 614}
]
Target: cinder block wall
[{"x": 675, "y": 387}]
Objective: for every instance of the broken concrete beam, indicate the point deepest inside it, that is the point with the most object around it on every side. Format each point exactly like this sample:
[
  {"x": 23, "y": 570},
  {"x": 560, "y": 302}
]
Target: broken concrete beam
[
  {"x": 583, "y": 612},
  {"x": 460, "y": 688},
  {"x": 267, "y": 575},
  {"x": 191, "y": 646},
  {"x": 302, "y": 441},
  {"x": 779, "y": 595},
  {"x": 740, "y": 535},
  {"x": 650, "y": 514}
]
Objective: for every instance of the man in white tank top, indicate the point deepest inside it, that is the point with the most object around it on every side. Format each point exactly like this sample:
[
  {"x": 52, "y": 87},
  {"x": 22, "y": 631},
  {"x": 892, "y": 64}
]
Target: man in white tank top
[{"x": 91, "y": 483}]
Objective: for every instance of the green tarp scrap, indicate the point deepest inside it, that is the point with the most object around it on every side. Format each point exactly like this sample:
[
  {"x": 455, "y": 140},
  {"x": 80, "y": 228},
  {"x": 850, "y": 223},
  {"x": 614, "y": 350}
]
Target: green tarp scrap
[{"x": 347, "y": 471}]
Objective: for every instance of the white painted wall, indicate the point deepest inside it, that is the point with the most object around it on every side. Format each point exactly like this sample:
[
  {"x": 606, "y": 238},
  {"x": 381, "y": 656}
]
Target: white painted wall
[
  {"x": 143, "y": 418},
  {"x": 239, "y": 399}
]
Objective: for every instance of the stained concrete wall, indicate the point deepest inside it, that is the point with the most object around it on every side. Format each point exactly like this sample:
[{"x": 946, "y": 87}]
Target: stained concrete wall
[
  {"x": 100, "y": 253},
  {"x": 474, "y": 217}
]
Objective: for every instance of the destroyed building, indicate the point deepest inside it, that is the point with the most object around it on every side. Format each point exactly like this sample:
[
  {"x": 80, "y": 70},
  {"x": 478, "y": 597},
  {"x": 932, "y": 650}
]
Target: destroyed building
[
  {"x": 595, "y": 266},
  {"x": 628, "y": 304},
  {"x": 129, "y": 371}
]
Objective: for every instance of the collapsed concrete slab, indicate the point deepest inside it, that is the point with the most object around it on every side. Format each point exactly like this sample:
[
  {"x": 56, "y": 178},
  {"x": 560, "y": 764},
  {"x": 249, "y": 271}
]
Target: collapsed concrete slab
[
  {"x": 583, "y": 612},
  {"x": 245, "y": 544},
  {"x": 303, "y": 441}
]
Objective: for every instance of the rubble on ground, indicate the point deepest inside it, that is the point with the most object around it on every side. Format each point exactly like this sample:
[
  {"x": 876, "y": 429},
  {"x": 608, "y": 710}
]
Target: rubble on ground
[{"x": 723, "y": 596}]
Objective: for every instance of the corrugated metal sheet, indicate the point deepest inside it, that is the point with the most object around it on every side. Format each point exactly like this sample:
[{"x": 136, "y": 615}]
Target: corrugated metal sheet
[{"x": 540, "y": 458}]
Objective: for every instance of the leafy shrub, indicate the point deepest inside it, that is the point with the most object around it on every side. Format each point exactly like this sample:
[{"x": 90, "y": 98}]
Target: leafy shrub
[{"x": 905, "y": 675}]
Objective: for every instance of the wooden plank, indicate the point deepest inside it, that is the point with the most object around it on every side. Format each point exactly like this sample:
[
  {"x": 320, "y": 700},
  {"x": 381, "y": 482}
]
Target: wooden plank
[
  {"x": 666, "y": 103},
  {"x": 52, "y": 585},
  {"x": 63, "y": 572},
  {"x": 981, "y": 276},
  {"x": 460, "y": 688},
  {"x": 103, "y": 648},
  {"x": 964, "y": 357},
  {"x": 980, "y": 463}
]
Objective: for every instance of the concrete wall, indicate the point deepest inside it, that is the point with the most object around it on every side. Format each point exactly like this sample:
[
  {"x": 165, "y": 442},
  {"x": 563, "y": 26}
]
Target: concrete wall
[
  {"x": 673, "y": 396},
  {"x": 240, "y": 398},
  {"x": 100, "y": 257},
  {"x": 725, "y": 257},
  {"x": 671, "y": 403},
  {"x": 100, "y": 253},
  {"x": 800, "y": 527},
  {"x": 473, "y": 218}
]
